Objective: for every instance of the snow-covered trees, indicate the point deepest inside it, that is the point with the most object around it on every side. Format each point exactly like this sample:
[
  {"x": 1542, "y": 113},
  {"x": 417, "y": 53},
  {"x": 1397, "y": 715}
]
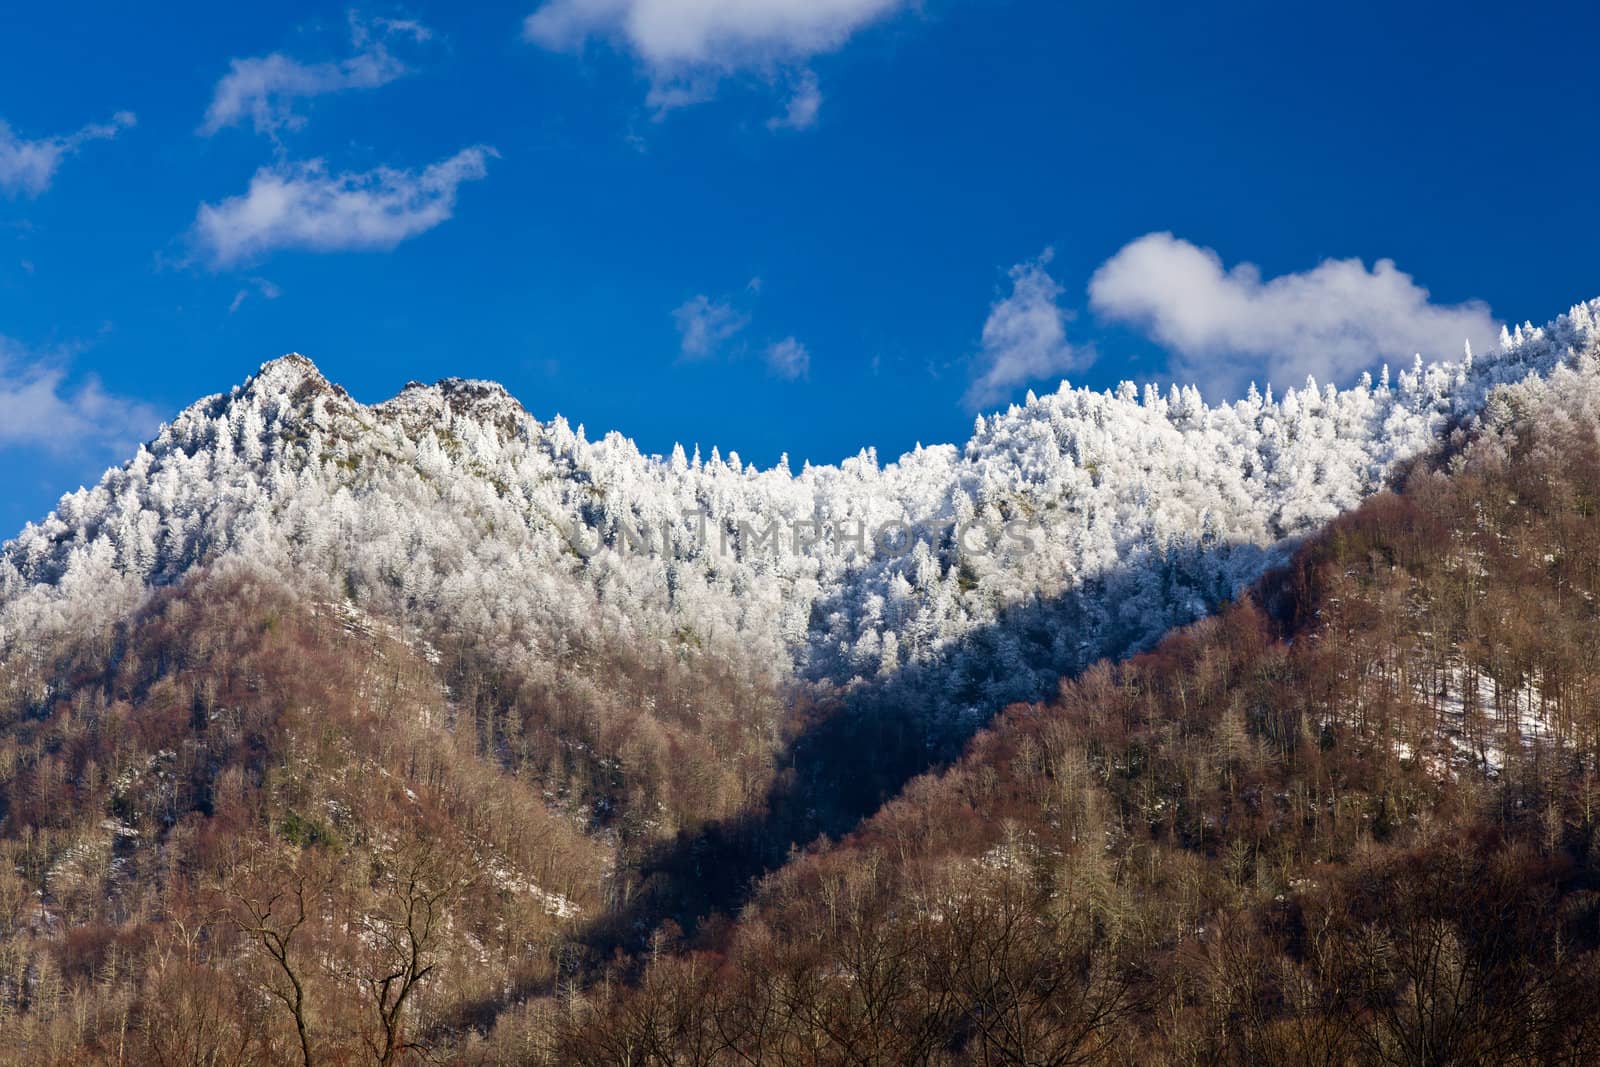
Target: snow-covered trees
[{"x": 449, "y": 508}]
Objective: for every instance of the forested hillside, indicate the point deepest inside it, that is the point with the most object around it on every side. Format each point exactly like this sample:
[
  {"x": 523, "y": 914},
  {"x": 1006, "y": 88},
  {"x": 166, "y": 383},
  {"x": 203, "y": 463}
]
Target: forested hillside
[
  {"x": 1354, "y": 819},
  {"x": 430, "y": 732}
]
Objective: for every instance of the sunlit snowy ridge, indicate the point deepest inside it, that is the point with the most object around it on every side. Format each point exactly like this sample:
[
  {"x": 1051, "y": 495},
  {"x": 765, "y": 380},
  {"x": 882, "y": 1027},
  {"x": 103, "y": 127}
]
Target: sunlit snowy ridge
[{"x": 450, "y": 509}]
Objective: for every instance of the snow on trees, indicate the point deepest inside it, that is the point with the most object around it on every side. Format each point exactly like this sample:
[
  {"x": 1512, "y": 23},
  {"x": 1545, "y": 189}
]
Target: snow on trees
[{"x": 1102, "y": 519}]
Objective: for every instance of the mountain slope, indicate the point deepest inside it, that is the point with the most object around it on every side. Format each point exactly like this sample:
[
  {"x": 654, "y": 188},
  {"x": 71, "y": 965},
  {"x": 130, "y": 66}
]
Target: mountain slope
[{"x": 1352, "y": 820}]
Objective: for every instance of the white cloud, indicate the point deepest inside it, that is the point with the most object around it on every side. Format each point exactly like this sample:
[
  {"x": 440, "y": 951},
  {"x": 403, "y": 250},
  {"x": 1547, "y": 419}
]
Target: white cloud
[
  {"x": 705, "y": 324},
  {"x": 687, "y": 46},
  {"x": 27, "y": 167},
  {"x": 1025, "y": 337},
  {"x": 265, "y": 89},
  {"x": 1331, "y": 321},
  {"x": 304, "y": 206},
  {"x": 789, "y": 359},
  {"x": 804, "y": 104},
  {"x": 39, "y": 409}
]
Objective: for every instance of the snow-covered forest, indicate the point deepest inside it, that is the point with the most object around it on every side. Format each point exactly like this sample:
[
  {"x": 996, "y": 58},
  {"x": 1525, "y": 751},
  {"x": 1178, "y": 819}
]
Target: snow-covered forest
[{"x": 1109, "y": 516}]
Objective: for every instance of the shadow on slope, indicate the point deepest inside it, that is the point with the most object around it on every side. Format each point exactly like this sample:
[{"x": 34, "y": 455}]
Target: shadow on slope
[{"x": 846, "y": 754}]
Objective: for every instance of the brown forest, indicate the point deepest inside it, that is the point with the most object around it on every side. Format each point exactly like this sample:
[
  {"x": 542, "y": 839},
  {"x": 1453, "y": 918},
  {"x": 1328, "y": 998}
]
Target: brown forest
[{"x": 1350, "y": 820}]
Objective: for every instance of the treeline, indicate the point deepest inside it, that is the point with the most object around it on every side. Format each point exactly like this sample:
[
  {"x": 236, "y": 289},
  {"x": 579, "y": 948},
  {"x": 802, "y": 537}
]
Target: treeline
[{"x": 1351, "y": 820}]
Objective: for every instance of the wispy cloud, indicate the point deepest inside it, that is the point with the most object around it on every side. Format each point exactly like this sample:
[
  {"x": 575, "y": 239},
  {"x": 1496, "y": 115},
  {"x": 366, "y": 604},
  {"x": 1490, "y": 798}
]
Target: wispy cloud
[
  {"x": 704, "y": 325},
  {"x": 266, "y": 289},
  {"x": 266, "y": 89},
  {"x": 804, "y": 103},
  {"x": 40, "y": 408},
  {"x": 687, "y": 47},
  {"x": 789, "y": 359},
  {"x": 1025, "y": 337},
  {"x": 304, "y": 206},
  {"x": 1226, "y": 325},
  {"x": 28, "y": 166}
]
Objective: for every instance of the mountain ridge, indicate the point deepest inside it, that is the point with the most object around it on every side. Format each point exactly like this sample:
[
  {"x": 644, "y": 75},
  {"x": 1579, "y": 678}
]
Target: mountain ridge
[{"x": 449, "y": 504}]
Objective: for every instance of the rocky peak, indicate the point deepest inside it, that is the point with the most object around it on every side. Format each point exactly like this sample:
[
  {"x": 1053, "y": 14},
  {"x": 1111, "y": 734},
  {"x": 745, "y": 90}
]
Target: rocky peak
[
  {"x": 293, "y": 377},
  {"x": 486, "y": 402}
]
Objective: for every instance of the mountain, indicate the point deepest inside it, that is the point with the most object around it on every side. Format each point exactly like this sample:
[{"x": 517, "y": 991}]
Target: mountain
[{"x": 327, "y": 727}]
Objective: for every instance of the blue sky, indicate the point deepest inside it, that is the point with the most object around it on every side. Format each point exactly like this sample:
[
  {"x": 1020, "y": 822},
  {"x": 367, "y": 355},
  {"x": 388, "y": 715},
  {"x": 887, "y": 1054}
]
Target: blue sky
[{"x": 798, "y": 226}]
